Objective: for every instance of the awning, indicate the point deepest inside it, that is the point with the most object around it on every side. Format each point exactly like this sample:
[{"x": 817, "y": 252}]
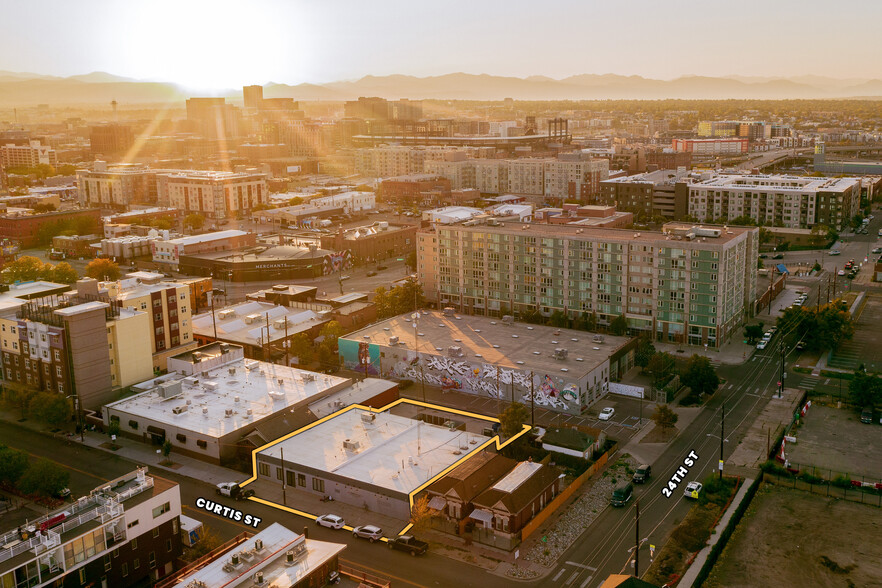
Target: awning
[
  {"x": 437, "y": 503},
  {"x": 485, "y": 516},
  {"x": 155, "y": 431}
]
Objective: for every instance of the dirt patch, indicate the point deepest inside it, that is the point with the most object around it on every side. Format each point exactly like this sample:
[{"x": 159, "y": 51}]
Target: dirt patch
[
  {"x": 793, "y": 538},
  {"x": 659, "y": 435},
  {"x": 488, "y": 563}
]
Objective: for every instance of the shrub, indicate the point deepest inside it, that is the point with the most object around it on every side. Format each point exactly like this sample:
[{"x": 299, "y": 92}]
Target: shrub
[{"x": 405, "y": 384}]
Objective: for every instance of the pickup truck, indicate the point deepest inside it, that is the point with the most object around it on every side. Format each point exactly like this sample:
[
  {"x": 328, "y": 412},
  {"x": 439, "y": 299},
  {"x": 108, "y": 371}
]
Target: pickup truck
[
  {"x": 409, "y": 544},
  {"x": 233, "y": 490}
]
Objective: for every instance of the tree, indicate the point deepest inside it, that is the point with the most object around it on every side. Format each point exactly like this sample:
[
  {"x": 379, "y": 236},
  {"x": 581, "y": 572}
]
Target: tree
[
  {"x": 819, "y": 329},
  {"x": 411, "y": 261},
  {"x": 64, "y": 273},
  {"x": 13, "y": 464},
  {"x": 44, "y": 477},
  {"x": 51, "y": 408},
  {"x": 659, "y": 366},
  {"x": 295, "y": 201},
  {"x": 102, "y": 268},
  {"x": 408, "y": 296},
  {"x": 194, "y": 221},
  {"x": 865, "y": 390},
  {"x": 24, "y": 269},
  {"x": 420, "y": 514},
  {"x": 645, "y": 351},
  {"x": 206, "y": 544},
  {"x": 113, "y": 428},
  {"x": 330, "y": 333},
  {"x": 166, "y": 450},
  {"x": 302, "y": 349},
  {"x": 588, "y": 321},
  {"x": 857, "y": 221},
  {"x": 753, "y": 333},
  {"x": 512, "y": 419},
  {"x": 559, "y": 319},
  {"x": 619, "y": 325},
  {"x": 664, "y": 417},
  {"x": 700, "y": 375},
  {"x": 43, "y": 207},
  {"x": 384, "y": 303}
]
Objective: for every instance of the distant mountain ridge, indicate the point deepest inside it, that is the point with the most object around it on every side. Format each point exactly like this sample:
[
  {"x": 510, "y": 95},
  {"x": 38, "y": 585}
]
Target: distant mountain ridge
[{"x": 22, "y": 88}]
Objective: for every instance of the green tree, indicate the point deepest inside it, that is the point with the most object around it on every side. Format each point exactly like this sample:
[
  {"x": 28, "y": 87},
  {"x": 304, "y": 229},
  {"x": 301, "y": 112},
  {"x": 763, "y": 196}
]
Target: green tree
[
  {"x": 411, "y": 260},
  {"x": 166, "y": 450},
  {"x": 700, "y": 376},
  {"x": 619, "y": 325},
  {"x": 753, "y": 333},
  {"x": 64, "y": 273},
  {"x": 384, "y": 303},
  {"x": 24, "y": 269},
  {"x": 330, "y": 333},
  {"x": 44, "y": 477},
  {"x": 295, "y": 201},
  {"x": 408, "y": 296},
  {"x": 857, "y": 221},
  {"x": 664, "y": 417},
  {"x": 819, "y": 329},
  {"x": 41, "y": 207},
  {"x": 66, "y": 169},
  {"x": 113, "y": 428},
  {"x": 13, "y": 464},
  {"x": 51, "y": 408},
  {"x": 865, "y": 390},
  {"x": 302, "y": 349},
  {"x": 102, "y": 268},
  {"x": 194, "y": 221},
  {"x": 660, "y": 366},
  {"x": 512, "y": 419},
  {"x": 644, "y": 352},
  {"x": 559, "y": 319}
]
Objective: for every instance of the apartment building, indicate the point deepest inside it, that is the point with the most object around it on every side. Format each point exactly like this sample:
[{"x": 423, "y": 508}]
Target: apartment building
[
  {"x": 125, "y": 532},
  {"x": 659, "y": 193},
  {"x": 777, "y": 200},
  {"x": 32, "y": 154},
  {"x": 686, "y": 283},
  {"x": 214, "y": 194},
  {"x": 727, "y": 146},
  {"x": 75, "y": 343},
  {"x": 571, "y": 177},
  {"x": 117, "y": 186},
  {"x": 526, "y": 176},
  {"x": 168, "y": 306}
]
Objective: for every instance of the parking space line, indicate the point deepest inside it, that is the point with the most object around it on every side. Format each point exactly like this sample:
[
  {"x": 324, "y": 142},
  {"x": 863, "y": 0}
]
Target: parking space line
[
  {"x": 585, "y": 583},
  {"x": 572, "y": 578},
  {"x": 558, "y": 575}
]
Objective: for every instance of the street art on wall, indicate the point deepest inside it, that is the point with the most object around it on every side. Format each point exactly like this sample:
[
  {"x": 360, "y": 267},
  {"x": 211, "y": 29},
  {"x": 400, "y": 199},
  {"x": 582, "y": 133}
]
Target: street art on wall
[{"x": 337, "y": 261}]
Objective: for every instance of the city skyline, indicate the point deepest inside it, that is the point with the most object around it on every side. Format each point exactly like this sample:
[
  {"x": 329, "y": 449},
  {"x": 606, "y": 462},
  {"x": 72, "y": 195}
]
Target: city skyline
[{"x": 216, "y": 46}]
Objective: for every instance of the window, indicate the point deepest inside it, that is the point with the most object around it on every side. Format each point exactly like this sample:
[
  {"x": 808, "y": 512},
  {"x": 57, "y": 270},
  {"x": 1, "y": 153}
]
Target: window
[
  {"x": 82, "y": 574},
  {"x": 116, "y": 552},
  {"x": 132, "y": 524},
  {"x": 156, "y": 533},
  {"x": 107, "y": 563},
  {"x": 151, "y": 561},
  {"x": 175, "y": 526},
  {"x": 318, "y": 485},
  {"x": 133, "y": 424},
  {"x": 134, "y": 544},
  {"x": 161, "y": 509},
  {"x": 263, "y": 469},
  {"x": 57, "y": 355},
  {"x": 125, "y": 569},
  {"x": 289, "y": 478},
  {"x": 202, "y": 444},
  {"x": 58, "y": 371},
  {"x": 278, "y": 473},
  {"x": 168, "y": 544},
  {"x": 301, "y": 480},
  {"x": 137, "y": 563},
  {"x": 181, "y": 438}
]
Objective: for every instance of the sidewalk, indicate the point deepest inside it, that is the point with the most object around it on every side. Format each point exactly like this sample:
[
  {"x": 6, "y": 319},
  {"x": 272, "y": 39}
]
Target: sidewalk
[
  {"x": 689, "y": 577},
  {"x": 734, "y": 352}
]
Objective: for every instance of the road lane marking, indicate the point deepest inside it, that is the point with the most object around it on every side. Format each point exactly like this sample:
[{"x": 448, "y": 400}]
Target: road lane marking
[
  {"x": 572, "y": 578},
  {"x": 559, "y": 574},
  {"x": 578, "y": 565},
  {"x": 585, "y": 583}
]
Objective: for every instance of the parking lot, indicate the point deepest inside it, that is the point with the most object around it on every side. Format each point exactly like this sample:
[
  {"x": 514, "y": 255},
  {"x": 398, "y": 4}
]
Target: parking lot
[
  {"x": 866, "y": 345},
  {"x": 836, "y": 440}
]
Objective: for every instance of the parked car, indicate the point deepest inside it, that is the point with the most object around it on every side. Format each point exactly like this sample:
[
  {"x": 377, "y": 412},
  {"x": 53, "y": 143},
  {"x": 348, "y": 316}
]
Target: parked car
[
  {"x": 692, "y": 490},
  {"x": 344, "y": 278},
  {"x": 778, "y": 256},
  {"x": 331, "y": 521},
  {"x": 370, "y": 532},
  {"x": 761, "y": 345},
  {"x": 410, "y": 544},
  {"x": 763, "y": 256},
  {"x": 800, "y": 346},
  {"x": 837, "y": 252},
  {"x": 642, "y": 474},
  {"x": 606, "y": 413},
  {"x": 381, "y": 268},
  {"x": 767, "y": 336},
  {"x": 63, "y": 493},
  {"x": 867, "y": 415},
  {"x": 877, "y": 250},
  {"x": 841, "y": 272},
  {"x": 621, "y": 495},
  {"x": 371, "y": 274}
]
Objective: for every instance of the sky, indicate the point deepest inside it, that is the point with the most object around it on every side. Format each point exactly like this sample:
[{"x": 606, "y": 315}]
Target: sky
[{"x": 214, "y": 44}]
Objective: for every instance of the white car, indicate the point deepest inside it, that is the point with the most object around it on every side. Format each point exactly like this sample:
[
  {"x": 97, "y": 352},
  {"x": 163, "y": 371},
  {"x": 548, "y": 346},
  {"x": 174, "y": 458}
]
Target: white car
[
  {"x": 606, "y": 413},
  {"x": 841, "y": 272},
  {"x": 761, "y": 345},
  {"x": 767, "y": 335},
  {"x": 331, "y": 521},
  {"x": 370, "y": 532},
  {"x": 692, "y": 490},
  {"x": 837, "y": 252}
]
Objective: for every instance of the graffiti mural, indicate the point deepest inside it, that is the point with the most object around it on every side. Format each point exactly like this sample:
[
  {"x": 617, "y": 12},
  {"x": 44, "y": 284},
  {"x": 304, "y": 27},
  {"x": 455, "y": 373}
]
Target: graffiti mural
[{"x": 337, "y": 261}]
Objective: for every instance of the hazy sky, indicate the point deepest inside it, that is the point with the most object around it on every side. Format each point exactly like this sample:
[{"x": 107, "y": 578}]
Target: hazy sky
[{"x": 222, "y": 43}]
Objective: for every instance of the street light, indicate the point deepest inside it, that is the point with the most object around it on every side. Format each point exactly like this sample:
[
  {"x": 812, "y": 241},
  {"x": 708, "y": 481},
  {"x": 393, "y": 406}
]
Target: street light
[
  {"x": 78, "y": 414},
  {"x": 214, "y": 291}
]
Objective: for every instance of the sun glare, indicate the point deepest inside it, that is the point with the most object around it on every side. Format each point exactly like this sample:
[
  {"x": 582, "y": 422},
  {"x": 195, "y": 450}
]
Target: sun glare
[{"x": 207, "y": 46}]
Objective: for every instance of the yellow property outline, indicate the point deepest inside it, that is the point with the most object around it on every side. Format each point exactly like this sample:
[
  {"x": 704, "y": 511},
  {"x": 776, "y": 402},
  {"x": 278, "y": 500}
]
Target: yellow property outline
[{"x": 410, "y": 497}]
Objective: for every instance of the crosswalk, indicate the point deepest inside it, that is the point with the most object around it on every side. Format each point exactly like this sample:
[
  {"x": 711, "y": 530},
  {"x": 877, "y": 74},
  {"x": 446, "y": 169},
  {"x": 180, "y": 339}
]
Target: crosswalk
[{"x": 807, "y": 383}]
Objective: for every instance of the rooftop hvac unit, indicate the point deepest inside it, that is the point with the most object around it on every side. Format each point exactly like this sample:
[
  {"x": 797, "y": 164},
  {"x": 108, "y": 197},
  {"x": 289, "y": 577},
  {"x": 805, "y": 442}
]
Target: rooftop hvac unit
[
  {"x": 560, "y": 353},
  {"x": 249, "y": 413},
  {"x": 508, "y": 320},
  {"x": 280, "y": 381},
  {"x": 210, "y": 386},
  {"x": 258, "y": 579},
  {"x": 228, "y": 412},
  {"x": 204, "y": 411},
  {"x": 250, "y": 318},
  {"x": 281, "y": 323},
  {"x": 179, "y": 409},
  {"x": 598, "y": 338},
  {"x": 225, "y": 347},
  {"x": 258, "y": 545},
  {"x": 393, "y": 340},
  {"x": 235, "y": 399},
  {"x": 232, "y": 371},
  {"x": 250, "y": 364},
  {"x": 280, "y": 287},
  {"x": 366, "y": 417},
  {"x": 170, "y": 389},
  {"x": 309, "y": 377},
  {"x": 454, "y": 351},
  {"x": 350, "y": 445},
  {"x": 225, "y": 314},
  {"x": 448, "y": 311}
]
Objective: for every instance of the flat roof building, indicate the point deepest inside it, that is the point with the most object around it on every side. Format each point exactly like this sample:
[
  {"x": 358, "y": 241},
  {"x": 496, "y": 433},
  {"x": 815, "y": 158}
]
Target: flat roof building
[{"x": 566, "y": 370}]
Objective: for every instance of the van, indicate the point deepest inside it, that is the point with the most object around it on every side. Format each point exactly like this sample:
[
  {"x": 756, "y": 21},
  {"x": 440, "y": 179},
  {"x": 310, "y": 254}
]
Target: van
[
  {"x": 867, "y": 415},
  {"x": 642, "y": 474},
  {"x": 622, "y": 495}
]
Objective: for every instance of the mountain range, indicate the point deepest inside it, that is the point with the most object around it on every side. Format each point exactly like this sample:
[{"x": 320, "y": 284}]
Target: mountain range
[{"x": 22, "y": 88}]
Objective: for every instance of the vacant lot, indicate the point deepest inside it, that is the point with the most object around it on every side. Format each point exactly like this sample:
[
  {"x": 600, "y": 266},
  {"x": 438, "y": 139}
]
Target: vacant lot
[
  {"x": 792, "y": 538},
  {"x": 835, "y": 439}
]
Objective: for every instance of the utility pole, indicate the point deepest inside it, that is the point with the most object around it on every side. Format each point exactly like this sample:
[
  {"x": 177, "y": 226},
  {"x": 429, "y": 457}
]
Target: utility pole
[
  {"x": 533, "y": 401},
  {"x": 781, "y": 386},
  {"x": 722, "y": 435},
  {"x": 637, "y": 540},
  {"x": 282, "y": 459}
]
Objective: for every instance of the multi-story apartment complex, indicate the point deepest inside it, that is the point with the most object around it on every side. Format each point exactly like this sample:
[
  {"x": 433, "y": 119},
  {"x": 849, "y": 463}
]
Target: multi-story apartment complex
[
  {"x": 775, "y": 200},
  {"x": 687, "y": 283},
  {"x": 570, "y": 176},
  {"x": 79, "y": 343},
  {"x": 30, "y": 155},
  {"x": 116, "y": 187},
  {"x": 214, "y": 194},
  {"x": 126, "y": 532},
  {"x": 727, "y": 146},
  {"x": 749, "y": 129},
  {"x": 659, "y": 193},
  {"x": 110, "y": 139},
  {"x": 168, "y": 306}
]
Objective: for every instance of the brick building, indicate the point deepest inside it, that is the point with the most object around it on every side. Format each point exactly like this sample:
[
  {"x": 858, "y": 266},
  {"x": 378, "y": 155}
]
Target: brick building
[
  {"x": 373, "y": 242},
  {"x": 408, "y": 190},
  {"x": 26, "y": 229}
]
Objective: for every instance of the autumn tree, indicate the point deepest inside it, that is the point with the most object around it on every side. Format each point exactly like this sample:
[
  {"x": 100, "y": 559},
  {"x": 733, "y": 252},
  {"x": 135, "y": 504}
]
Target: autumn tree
[
  {"x": 64, "y": 273},
  {"x": 512, "y": 419},
  {"x": 660, "y": 366},
  {"x": 26, "y": 268},
  {"x": 194, "y": 221},
  {"x": 102, "y": 268},
  {"x": 664, "y": 417},
  {"x": 420, "y": 514},
  {"x": 302, "y": 349}
]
